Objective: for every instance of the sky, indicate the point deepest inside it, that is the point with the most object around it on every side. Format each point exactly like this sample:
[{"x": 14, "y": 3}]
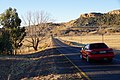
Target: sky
[{"x": 61, "y": 10}]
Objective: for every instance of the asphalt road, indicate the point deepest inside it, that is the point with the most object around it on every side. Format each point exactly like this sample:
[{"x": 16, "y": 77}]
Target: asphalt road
[{"x": 99, "y": 70}]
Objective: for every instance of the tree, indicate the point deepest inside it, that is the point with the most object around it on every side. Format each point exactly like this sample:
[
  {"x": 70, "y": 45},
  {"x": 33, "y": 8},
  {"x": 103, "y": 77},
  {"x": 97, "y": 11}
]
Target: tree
[
  {"x": 37, "y": 27},
  {"x": 5, "y": 44},
  {"x": 10, "y": 22}
]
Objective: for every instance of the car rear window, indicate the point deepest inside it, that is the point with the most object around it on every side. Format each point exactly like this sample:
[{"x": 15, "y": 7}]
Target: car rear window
[{"x": 98, "y": 46}]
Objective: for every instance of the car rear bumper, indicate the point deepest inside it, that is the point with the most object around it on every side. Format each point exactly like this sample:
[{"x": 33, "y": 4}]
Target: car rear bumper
[{"x": 101, "y": 57}]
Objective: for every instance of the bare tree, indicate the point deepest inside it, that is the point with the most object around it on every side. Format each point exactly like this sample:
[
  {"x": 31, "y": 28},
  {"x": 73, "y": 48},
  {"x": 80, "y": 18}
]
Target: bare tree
[{"x": 37, "y": 26}]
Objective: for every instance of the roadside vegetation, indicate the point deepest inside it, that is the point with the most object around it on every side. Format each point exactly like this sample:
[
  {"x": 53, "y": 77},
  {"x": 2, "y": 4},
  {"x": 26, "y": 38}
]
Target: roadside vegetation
[
  {"x": 17, "y": 39},
  {"x": 36, "y": 27},
  {"x": 111, "y": 40},
  {"x": 11, "y": 34}
]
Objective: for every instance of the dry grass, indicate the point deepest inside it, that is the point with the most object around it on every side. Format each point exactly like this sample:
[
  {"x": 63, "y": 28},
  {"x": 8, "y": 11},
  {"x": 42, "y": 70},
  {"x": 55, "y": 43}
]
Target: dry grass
[
  {"x": 25, "y": 49},
  {"x": 112, "y": 41}
]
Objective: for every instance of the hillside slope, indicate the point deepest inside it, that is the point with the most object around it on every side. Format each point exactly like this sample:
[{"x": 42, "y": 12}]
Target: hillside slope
[
  {"x": 96, "y": 23},
  {"x": 93, "y": 22}
]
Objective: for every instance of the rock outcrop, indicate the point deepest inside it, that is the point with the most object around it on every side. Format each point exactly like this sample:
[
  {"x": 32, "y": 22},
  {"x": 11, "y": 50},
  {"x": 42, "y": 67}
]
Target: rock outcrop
[
  {"x": 114, "y": 12},
  {"x": 87, "y": 15}
]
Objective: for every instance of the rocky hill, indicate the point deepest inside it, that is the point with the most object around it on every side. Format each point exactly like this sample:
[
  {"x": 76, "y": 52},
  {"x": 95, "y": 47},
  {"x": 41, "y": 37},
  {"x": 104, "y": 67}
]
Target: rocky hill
[
  {"x": 98, "y": 19},
  {"x": 93, "y": 23},
  {"x": 87, "y": 15},
  {"x": 94, "y": 14},
  {"x": 87, "y": 23},
  {"x": 114, "y": 12}
]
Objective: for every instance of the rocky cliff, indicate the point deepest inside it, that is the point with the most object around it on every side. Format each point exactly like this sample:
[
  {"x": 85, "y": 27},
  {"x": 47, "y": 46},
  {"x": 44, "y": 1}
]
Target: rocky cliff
[
  {"x": 94, "y": 14},
  {"x": 87, "y": 15}
]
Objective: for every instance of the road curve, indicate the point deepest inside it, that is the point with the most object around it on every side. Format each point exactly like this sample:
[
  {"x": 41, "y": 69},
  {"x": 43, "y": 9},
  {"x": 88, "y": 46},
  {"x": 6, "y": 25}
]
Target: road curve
[{"x": 91, "y": 71}]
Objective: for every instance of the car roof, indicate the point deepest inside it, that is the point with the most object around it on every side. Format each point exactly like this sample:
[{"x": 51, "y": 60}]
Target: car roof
[{"x": 96, "y": 43}]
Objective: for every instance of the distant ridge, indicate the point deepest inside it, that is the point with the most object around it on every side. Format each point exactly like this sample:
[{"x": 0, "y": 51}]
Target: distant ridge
[
  {"x": 95, "y": 14},
  {"x": 96, "y": 19},
  {"x": 114, "y": 12},
  {"x": 87, "y": 15}
]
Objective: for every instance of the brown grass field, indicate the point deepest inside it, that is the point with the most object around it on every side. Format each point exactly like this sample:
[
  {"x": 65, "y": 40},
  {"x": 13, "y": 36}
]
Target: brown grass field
[
  {"x": 26, "y": 49},
  {"x": 112, "y": 41}
]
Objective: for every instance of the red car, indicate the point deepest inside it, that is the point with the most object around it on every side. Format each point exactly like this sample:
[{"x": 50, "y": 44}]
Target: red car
[{"x": 97, "y": 51}]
